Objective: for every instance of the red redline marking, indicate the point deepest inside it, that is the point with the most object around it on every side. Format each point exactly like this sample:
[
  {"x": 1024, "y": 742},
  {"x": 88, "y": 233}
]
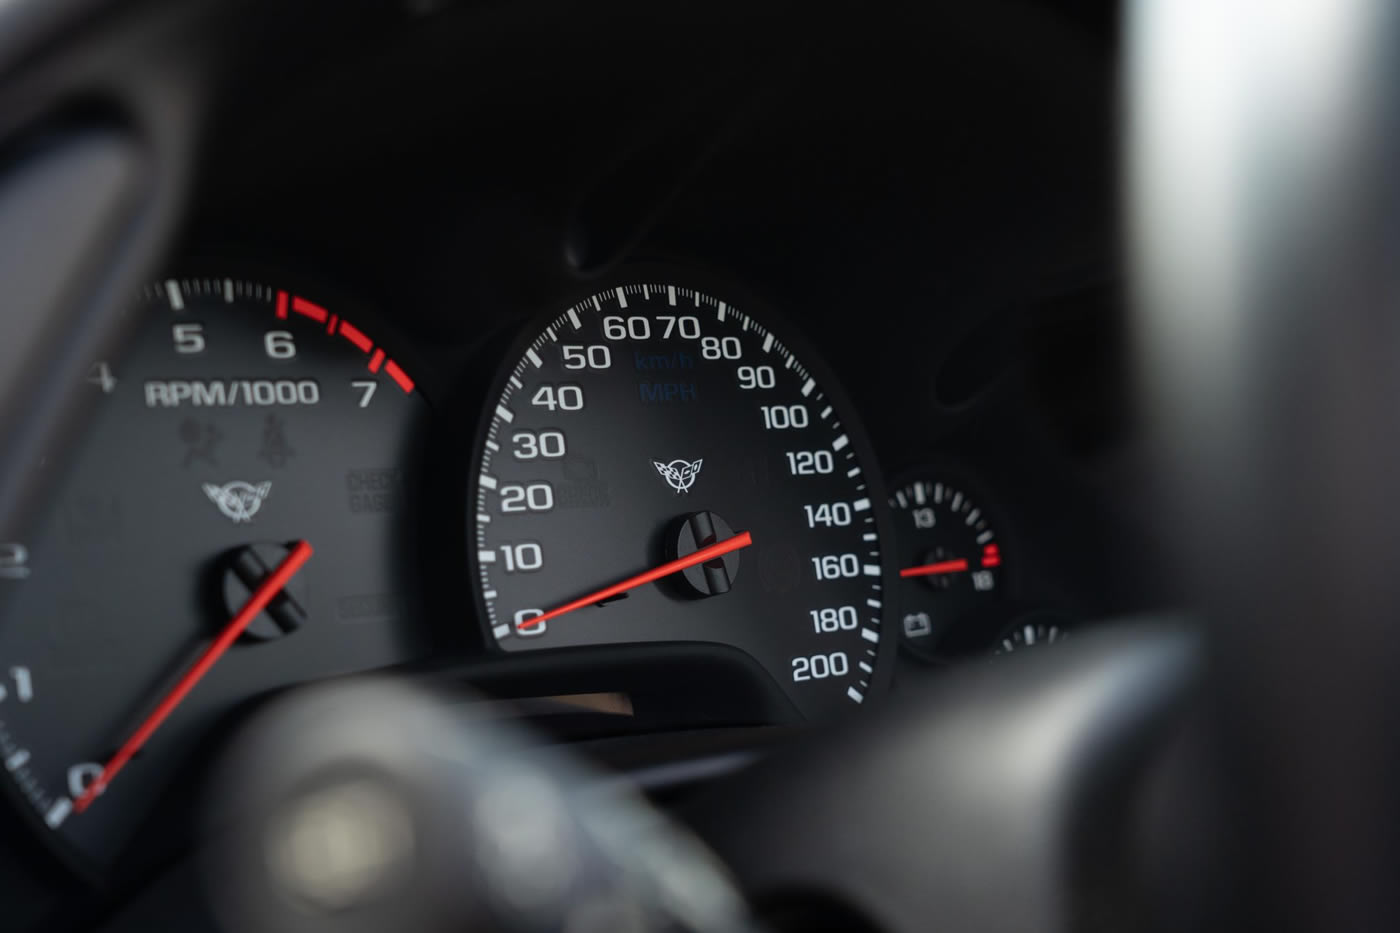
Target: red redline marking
[
  {"x": 398, "y": 375},
  {"x": 314, "y": 311},
  {"x": 356, "y": 336},
  {"x": 271, "y": 585},
  {"x": 350, "y": 332}
]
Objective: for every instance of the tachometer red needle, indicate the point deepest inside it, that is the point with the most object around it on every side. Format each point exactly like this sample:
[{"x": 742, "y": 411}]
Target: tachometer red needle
[
  {"x": 928, "y": 570},
  {"x": 256, "y": 603},
  {"x": 720, "y": 548}
]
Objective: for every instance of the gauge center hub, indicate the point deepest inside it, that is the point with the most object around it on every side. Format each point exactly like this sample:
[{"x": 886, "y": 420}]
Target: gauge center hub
[{"x": 700, "y": 530}]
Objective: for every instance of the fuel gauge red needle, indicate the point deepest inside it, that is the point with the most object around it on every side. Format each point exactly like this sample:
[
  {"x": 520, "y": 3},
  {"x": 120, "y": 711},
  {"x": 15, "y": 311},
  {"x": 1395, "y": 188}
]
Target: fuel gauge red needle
[
  {"x": 929, "y": 570},
  {"x": 264, "y": 594},
  {"x": 720, "y": 548}
]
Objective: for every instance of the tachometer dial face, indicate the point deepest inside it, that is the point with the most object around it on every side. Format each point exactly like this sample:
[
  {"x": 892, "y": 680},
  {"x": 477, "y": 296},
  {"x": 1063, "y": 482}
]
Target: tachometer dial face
[
  {"x": 241, "y": 420},
  {"x": 950, "y": 559},
  {"x": 660, "y": 466}
]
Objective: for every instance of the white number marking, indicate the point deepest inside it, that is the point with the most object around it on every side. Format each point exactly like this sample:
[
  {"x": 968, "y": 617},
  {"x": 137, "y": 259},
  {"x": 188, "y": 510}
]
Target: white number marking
[
  {"x": 828, "y": 515},
  {"x": 525, "y": 615},
  {"x": 783, "y": 417},
  {"x": 836, "y": 566},
  {"x": 366, "y": 389},
  {"x": 280, "y": 345},
  {"x": 757, "y": 377},
  {"x": 524, "y": 558},
  {"x": 189, "y": 338},
  {"x": 594, "y": 356},
  {"x": 536, "y": 497},
  {"x": 547, "y": 445},
  {"x": 565, "y": 397},
  {"x": 834, "y": 619},
  {"x": 716, "y": 348},
  {"x": 810, "y": 462},
  {"x": 820, "y": 667}
]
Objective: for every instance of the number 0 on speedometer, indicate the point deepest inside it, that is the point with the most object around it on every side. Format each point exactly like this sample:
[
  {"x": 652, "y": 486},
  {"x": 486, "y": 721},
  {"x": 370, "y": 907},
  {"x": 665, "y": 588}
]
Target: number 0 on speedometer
[{"x": 660, "y": 466}]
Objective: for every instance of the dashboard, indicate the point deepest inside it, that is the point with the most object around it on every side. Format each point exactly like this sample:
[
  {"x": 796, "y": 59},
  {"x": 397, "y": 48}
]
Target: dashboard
[{"x": 668, "y": 389}]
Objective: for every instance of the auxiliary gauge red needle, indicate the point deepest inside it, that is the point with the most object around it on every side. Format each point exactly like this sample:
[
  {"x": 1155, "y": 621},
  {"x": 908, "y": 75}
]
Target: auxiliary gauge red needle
[
  {"x": 720, "y": 548},
  {"x": 269, "y": 588},
  {"x": 928, "y": 570}
]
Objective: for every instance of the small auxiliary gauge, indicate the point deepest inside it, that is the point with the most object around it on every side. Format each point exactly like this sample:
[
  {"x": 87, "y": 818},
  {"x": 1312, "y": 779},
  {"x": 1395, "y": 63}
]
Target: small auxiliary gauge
[
  {"x": 950, "y": 560},
  {"x": 1032, "y": 631}
]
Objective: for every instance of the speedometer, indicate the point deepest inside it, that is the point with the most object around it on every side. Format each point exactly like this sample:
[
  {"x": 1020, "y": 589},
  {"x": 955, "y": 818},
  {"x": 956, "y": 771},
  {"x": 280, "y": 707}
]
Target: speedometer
[{"x": 659, "y": 465}]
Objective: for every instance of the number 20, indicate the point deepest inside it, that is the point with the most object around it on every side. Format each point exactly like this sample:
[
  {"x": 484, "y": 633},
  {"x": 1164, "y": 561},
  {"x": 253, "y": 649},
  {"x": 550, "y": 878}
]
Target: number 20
[{"x": 536, "y": 497}]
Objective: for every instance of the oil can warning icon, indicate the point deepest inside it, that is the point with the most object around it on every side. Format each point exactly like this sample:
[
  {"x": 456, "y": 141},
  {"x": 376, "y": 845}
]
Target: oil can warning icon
[{"x": 238, "y": 500}]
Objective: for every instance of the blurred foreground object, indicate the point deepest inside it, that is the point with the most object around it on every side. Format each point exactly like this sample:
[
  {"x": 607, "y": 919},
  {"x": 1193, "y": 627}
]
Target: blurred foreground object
[
  {"x": 369, "y": 806},
  {"x": 1264, "y": 175}
]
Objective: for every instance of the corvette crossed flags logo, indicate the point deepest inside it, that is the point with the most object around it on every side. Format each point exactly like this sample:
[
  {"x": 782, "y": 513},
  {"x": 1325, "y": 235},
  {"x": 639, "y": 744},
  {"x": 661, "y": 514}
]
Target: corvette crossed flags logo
[{"x": 680, "y": 474}]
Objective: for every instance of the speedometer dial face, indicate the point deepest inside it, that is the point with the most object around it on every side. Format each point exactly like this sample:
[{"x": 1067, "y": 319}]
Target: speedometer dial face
[
  {"x": 660, "y": 466},
  {"x": 242, "y": 419}
]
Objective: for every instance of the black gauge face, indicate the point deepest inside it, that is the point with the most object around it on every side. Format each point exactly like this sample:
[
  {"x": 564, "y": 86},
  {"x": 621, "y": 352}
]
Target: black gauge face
[
  {"x": 659, "y": 466},
  {"x": 241, "y": 419},
  {"x": 950, "y": 560}
]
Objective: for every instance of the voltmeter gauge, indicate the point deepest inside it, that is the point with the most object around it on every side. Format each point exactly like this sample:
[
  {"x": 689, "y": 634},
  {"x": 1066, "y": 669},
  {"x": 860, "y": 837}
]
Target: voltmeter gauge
[{"x": 950, "y": 560}]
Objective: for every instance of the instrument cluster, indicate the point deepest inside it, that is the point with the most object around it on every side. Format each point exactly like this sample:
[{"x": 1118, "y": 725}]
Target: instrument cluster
[{"x": 659, "y": 510}]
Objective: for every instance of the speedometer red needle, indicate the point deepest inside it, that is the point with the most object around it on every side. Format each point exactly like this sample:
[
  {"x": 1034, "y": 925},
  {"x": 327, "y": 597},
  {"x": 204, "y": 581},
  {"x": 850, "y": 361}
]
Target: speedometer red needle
[
  {"x": 264, "y": 594},
  {"x": 928, "y": 570},
  {"x": 720, "y": 548}
]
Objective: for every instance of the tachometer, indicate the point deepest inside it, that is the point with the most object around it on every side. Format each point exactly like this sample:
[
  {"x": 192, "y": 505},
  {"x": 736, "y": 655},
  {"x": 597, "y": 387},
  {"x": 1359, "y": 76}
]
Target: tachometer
[
  {"x": 243, "y": 421},
  {"x": 661, "y": 466}
]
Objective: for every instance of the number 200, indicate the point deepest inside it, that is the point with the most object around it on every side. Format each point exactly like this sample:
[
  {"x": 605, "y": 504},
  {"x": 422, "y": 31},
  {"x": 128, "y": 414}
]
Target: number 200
[{"x": 820, "y": 667}]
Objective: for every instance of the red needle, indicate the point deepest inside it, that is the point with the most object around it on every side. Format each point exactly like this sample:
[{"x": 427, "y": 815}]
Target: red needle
[
  {"x": 928, "y": 570},
  {"x": 741, "y": 540},
  {"x": 256, "y": 603}
]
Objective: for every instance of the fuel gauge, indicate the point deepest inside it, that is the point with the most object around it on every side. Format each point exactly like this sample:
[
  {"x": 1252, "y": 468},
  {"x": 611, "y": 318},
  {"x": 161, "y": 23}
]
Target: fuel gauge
[{"x": 951, "y": 564}]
